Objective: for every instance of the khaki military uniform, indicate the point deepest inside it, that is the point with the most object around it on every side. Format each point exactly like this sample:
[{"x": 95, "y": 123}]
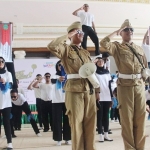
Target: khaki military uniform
[
  {"x": 131, "y": 95},
  {"x": 81, "y": 106}
]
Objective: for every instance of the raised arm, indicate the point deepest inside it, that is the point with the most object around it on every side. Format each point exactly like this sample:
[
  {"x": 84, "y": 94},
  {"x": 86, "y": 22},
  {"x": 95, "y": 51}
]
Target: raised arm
[
  {"x": 30, "y": 87},
  {"x": 58, "y": 46},
  {"x": 108, "y": 46},
  {"x": 145, "y": 36},
  {"x": 35, "y": 84},
  {"x": 76, "y": 11}
]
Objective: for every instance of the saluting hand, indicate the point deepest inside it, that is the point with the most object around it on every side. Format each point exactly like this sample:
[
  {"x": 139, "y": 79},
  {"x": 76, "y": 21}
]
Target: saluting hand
[
  {"x": 121, "y": 29},
  {"x": 71, "y": 34},
  {"x": 82, "y": 7}
]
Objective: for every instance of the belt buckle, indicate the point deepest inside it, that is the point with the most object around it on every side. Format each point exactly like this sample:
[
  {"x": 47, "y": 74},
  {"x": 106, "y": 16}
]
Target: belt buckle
[{"x": 134, "y": 76}]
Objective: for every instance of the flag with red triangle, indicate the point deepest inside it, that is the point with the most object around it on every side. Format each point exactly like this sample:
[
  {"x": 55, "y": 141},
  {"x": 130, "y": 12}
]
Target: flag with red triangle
[{"x": 6, "y": 41}]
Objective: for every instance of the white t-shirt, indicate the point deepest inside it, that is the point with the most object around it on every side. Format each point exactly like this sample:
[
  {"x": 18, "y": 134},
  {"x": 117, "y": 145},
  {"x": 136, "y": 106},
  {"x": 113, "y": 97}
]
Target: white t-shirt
[
  {"x": 113, "y": 85},
  {"x": 58, "y": 95},
  {"x": 86, "y": 18},
  {"x": 37, "y": 92},
  {"x": 146, "y": 49},
  {"x": 46, "y": 90},
  {"x": 5, "y": 99},
  {"x": 104, "y": 86},
  {"x": 147, "y": 95},
  {"x": 20, "y": 101}
]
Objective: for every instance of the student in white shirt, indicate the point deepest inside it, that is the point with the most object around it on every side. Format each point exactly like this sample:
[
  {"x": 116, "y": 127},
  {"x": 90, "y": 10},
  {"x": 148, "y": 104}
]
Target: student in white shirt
[
  {"x": 17, "y": 118},
  {"x": 105, "y": 101},
  {"x": 46, "y": 89},
  {"x": 37, "y": 94},
  {"x": 5, "y": 100},
  {"x": 88, "y": 26},
  {"x": 146, "y": 47},
  {"x": 58, "y": 107},
  {"x": 19, "y": 101}
]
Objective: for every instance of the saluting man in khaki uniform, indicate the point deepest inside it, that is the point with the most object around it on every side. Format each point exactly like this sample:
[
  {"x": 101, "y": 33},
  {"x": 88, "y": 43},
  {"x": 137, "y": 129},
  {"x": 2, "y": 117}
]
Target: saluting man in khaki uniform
[
  {"x": 130, "y": 86},
  {"x": 80, "y": 104}
]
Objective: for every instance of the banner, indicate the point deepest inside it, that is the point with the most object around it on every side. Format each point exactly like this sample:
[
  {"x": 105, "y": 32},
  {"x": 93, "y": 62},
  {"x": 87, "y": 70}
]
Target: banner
[
  {"x": 27, "y": 69},
  {"x": 6, "y": 41}
]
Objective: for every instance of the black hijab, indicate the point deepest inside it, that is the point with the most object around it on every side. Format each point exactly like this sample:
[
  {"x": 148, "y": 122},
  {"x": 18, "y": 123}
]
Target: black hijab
[
  {"x": 3, "y": 70},
  {"x": 58, "y": 72},
  {"x": 101, "y": 70}
]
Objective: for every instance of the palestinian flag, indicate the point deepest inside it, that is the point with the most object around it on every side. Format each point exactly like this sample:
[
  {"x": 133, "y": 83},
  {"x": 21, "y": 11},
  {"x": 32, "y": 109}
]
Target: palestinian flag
[{"x": 6, "y": 41}]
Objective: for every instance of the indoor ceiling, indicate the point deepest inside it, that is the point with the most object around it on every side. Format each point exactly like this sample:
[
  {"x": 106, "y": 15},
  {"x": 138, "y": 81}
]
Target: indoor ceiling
[{"x": 54, "y": 12}]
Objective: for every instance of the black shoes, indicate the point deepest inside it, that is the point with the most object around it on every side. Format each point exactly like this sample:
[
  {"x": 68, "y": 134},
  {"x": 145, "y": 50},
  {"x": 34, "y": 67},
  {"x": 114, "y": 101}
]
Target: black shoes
[
  {"x": 45, "y": 130},
  {"x": 14, "y": 136}
]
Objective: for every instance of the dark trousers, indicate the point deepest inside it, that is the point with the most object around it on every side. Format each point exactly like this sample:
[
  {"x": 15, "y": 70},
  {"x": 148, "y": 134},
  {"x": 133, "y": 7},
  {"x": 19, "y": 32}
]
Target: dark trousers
[
  {"x": 39, "y": 110},
  {"x": 114, "y": 113},
  {"x": 26, "y": 109},
  {"x": 6, "y": 121},
  {"x": 60, "y": 122},
  {"x": 88, "y": 31},
  {"x": 12, "y": 126},
  {"x": 103, "y": 117},
  {"x": 17, "y": 118},
  {"x": 47, "y": 114}
]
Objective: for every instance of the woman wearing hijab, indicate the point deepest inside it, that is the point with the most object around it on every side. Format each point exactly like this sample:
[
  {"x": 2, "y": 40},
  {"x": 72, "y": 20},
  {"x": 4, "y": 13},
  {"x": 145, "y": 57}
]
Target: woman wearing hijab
[
  {"x": 58, "y": 107},
  {"x": 104, "y": 78},
  {"x": 5, "y": 100}
]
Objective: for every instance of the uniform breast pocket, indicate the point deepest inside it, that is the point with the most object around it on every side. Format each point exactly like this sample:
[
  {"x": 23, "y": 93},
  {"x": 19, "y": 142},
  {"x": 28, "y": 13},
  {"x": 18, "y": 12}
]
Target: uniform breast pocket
[
  {"x": 126, "y": 56},
  {"x": 73, "y": 58}
]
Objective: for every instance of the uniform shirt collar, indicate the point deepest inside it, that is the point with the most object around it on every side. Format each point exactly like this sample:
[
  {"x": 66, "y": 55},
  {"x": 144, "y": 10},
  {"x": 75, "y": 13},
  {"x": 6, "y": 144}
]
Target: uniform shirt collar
[
  {"x": 124, "y": 43},
  {"x": 79, "y": 47}
]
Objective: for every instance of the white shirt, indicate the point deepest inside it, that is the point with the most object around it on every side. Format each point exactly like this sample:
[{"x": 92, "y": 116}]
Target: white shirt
[
  {"x": 5, "y": 99},
  {"x": 113, "y": 85},
  {"x": 46, "y": 90},
  {"x": 147, "y": 95},
  {"x": 104, "y": 86},
  {"x": 58, "y": 96},
  {"x": 86, "y": 18},
  {"x": 37, "y": 91},
  {"x": 146, "y": 49},
  {"x": 20, "y": 101}
]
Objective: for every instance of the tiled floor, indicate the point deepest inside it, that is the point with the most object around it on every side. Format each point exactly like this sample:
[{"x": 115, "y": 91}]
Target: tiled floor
[{"x": 27, "y": 140}]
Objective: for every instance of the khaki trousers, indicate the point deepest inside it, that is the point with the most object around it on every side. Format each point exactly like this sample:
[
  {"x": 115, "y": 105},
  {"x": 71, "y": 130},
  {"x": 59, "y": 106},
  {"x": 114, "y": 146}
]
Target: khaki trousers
[
  {"x": 81, "y": 110},
  {"x": 132, "y": 109}
]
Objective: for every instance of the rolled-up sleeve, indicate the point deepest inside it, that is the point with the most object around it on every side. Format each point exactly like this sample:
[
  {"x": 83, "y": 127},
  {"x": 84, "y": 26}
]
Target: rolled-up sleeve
[
  {"x": 57, "y": 46},
  {"x": 108, "y": 46}
]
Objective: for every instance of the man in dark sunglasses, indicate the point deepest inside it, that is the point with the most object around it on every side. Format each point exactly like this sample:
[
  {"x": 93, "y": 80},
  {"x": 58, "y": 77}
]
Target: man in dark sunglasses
[
  {"x": 46, "y": 98},
  {"x": 37, "y": 94},
  {"x": 130, "y": 90},
  {"x": 78, "y": 96},
  {"x": 88, "y": 26}
]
